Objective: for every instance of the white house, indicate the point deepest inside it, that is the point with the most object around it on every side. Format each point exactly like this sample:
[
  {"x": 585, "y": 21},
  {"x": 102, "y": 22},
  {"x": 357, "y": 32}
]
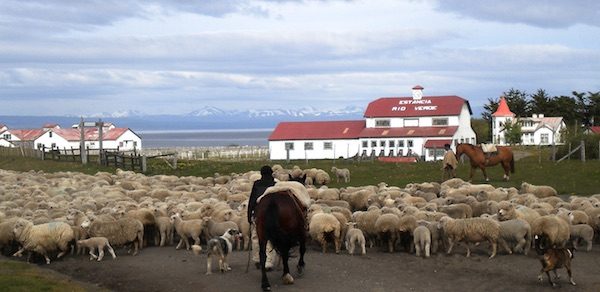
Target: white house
[
  {"x": 393, "y": 126},
  {"x": 536, "y": 130},
  {"x": 51, "y": 136},
  {"x": 5, "y": 143}
]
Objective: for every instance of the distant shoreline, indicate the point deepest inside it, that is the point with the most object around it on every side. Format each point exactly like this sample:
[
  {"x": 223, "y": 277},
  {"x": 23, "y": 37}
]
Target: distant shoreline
[{"x": 204, "y": 131}]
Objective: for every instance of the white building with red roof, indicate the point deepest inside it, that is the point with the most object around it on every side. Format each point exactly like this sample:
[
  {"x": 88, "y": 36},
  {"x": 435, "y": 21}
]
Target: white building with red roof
[
  {"x": 53, "y": 136},
  {"x": 536, "y": 130},
  {"x": 393, "y": 126}
]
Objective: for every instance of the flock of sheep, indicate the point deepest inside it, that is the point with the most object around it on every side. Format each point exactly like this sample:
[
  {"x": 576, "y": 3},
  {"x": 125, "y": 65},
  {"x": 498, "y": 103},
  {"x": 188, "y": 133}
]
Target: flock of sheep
[{"x": 50, "y": 214}]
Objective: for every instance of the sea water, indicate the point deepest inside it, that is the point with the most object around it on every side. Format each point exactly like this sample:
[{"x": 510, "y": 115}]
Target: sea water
[{"x": 204, "y": 138}]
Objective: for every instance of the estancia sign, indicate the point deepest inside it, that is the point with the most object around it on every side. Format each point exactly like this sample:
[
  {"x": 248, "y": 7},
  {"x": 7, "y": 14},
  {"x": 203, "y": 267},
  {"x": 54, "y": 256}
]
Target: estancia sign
[{"x": 419, "y": 105}]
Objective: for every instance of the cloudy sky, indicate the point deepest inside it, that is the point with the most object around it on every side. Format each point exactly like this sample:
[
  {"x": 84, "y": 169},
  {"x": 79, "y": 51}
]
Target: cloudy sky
[{"x": 174, "y": 56}]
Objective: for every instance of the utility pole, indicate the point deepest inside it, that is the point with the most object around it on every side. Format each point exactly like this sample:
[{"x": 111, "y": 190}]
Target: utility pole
[
  {"x": 82, "y": 142},
  {"x": 100, "y": 126}
]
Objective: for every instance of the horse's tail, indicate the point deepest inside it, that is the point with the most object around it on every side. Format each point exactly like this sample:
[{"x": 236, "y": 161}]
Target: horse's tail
[
  {"x": 512, "y": 163},
  {"x": 272, "y": 227}
]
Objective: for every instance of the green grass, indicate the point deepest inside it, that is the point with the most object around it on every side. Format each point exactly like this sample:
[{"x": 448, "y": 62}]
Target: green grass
[
  {"x": 18, "y": 276},
  {"x": 567, "y": 177}
]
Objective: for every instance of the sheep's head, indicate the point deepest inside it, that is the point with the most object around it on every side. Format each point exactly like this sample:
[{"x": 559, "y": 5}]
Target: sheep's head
[
  {"x": 19, "y": 226},
  {"x": 86, "y": 223}
]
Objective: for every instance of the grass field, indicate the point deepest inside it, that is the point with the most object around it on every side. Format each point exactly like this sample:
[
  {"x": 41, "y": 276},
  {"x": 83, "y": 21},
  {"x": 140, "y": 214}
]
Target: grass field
[{"x": 568, "y": 177}]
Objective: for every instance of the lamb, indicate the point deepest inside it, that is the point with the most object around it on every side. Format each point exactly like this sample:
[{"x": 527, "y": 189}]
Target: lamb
[
  {"x": 582, "y": 232},
  {"x": 99, "y": 243},
  {"x": 515, "y": 230},
  {"x": 457, "y": 211},
  {"x": 471, "y": 230},
  {"x": 538, "y": 191},
  {"x": 43, "y": 238},
  {"x": 341, "y": 173},
  {"x": 422, "y": 240},
  {"x": 212, "y": 229},
  {"x": 507, "y": 211},
  {"x": 120, "y": 232},
  {"x": 187, "y": 228},
  {"x": 555, "y": 229},
  {"x": 354, "y": 236},
  {"x": 325, "y": 227},
  {"x": 386, "y": 227},
  {"x": 321, "y": 177}
]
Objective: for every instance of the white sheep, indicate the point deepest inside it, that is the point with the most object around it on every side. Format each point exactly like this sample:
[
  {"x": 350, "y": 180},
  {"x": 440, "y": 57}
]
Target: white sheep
[
  {"x": 354, "y": 236},
  {"x": 212, "y": 229},
  {"x": 515, "y": 230},
  {"x": 386, "y": 227},
  {"x": 538, "y": 191},
  {"x": 471, "y": 230},
  {"x": 325, "y": 227},
  {"x": 187, "y": 228},
  {"x": 582, "y": 232},
  {"x": 422, "y": 240},
  {"x": 553, "y": 228},
  {"x": 341, "y": 173},
  {"x": 43, "y": 238},
  {"x": 123, "y": 231},
  {"x": 99, "y": 243}
]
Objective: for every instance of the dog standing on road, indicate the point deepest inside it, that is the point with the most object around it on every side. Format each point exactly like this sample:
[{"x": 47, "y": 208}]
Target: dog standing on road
[
  {"x": 220, "y": 246},
  {"x": 553, "y": 259}
]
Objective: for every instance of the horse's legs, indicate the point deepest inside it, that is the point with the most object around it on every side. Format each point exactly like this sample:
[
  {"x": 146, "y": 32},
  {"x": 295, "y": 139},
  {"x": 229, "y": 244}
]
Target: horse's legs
[
  {"x": 471, "y": 173},
  {"x": 301, "y": 260},
  {"x": 484, "y": 173},
  {"x": 262, "y": 254},
  {"x": 285, "y": 256},
  {"x": 506, "y": 167}
]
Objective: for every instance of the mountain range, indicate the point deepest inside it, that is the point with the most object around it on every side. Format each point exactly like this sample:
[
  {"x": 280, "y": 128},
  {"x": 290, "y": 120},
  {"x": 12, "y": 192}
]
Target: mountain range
[{"x": 207, "y": 117}]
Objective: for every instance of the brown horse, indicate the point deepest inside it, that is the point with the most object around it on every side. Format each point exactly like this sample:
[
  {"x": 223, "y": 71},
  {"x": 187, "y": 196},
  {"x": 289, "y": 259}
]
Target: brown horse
[
  {"x": 280, "y": 219},
  {"x": 478, "y": 158}
]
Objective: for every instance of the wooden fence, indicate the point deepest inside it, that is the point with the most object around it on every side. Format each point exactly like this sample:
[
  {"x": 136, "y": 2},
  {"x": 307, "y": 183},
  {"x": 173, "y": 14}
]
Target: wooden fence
[
  {"x": 20, "y": 152},
  {"x": 204, "y": 153},
  {"x": 132, "y": 161}
]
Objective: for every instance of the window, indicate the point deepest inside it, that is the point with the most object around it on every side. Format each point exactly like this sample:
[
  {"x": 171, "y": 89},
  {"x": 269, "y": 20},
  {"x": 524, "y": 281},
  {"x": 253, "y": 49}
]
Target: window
[
  {"x": 373, "y": 143},
  {"x": 382, "y": 123},
  {"x": 440, "y": 121},
  {"x": 411, "y": 122},
  {"x": 436, "y": 152},
  {"x": 53, "y": 145},
  {"x": 134, "y": 144},
  {"x": 544, "y": 138},
  {"x": 365, "y": 144},
  {"x": 308, "y": 145},
  {"x": 40, "y": 145},
  {"x": 410, "y": 143},
  {"x": 392, "y": 143},
  {"x": 289, "y": 146},
  {"x": 50, "y": 134},
  {"x": 382, "y": 143},
  {"x": 400, "y": 143},
  {"x": 327, "y": 145},
  {"x": 7, "y": 137},
  {"x": 120, "y": 144}
]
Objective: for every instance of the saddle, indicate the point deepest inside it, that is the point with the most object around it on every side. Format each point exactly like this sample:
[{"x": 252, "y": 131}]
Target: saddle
[{"x": 489, "y": 150}]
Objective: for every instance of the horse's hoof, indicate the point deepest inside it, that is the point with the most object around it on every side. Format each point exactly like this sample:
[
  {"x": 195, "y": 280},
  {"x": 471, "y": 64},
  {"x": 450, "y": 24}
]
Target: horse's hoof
[
  {"x": 300, "y": 271},
  {"x": 266, "y": 288},
  {"x": 288, "y": 279}
]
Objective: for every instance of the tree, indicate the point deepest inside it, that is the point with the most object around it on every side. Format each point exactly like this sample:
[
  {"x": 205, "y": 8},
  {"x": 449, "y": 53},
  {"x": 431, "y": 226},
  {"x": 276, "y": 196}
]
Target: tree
[
  {"x": 489, "y": 109},
  {"x": 540, "y": 103},
  {"x": 517, "y": 102},
  {"x": 482, "y": 130},
  {"x": 513, "y": 133}
]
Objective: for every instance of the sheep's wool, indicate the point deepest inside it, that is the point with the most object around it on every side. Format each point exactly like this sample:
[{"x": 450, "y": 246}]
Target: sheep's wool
[{"x": 295, "y": 187}]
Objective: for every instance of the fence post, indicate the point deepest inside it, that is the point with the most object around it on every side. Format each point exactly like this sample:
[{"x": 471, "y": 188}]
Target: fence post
[
  {"x": 582, "y": 151},
  {"x": 144, "y": 164}
]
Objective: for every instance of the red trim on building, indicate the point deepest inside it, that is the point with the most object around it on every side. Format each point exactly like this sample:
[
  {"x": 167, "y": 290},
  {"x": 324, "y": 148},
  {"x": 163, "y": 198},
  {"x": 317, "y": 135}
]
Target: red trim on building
[
  {"x": 317, "y": 130},
  {"x": 437, "y": 143},
  {"x": 503, "y": 110},
  {"x": 408, "y": 107},
  {"x": 408, "y": 132},
  {"x": 595, "y": 129}
]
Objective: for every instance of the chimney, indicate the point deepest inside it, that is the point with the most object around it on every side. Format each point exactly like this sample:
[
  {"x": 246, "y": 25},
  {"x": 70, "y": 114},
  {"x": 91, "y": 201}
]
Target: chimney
[{"x": 417, "y": 92}]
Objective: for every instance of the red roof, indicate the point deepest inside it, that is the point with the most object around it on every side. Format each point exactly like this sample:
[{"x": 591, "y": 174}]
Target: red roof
[
  {"x": 503, "y": 110},
  {"x": 408, "y": 132},
  {"x": 317, "y": 130},
  {"x": 28, "y": 134},
  {"x": 595, "y": 129},
  {"x": 90, "y": 134},
  {"x": 408, "y": 107},
  {"x": 437, "y": 143}
]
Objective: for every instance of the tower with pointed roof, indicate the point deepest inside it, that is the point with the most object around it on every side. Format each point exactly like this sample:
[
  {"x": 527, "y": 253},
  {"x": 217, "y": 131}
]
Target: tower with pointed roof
[{"x": 500, "y": 117}]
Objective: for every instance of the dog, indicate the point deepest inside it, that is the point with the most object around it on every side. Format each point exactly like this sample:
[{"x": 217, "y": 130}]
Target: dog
[
  {"x": 221, "y": 247},
  {"x": 552, "y": 259}
]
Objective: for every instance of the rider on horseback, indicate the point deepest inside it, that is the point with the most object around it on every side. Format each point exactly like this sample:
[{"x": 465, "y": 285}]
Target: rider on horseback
[{"x": 258, "y": 188}]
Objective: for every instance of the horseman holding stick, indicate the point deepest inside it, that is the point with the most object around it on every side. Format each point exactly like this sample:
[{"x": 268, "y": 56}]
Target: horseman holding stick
[{"x": 258, "y": 188}]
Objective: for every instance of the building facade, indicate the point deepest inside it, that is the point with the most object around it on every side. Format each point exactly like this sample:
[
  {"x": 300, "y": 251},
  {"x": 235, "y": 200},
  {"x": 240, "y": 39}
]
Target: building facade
[
  {"x": 536, "y": 130},
  {"x": 392, "y": 126}
]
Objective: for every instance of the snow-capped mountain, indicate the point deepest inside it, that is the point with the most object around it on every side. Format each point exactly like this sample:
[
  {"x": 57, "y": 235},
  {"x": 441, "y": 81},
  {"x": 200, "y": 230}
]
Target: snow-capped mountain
[
  {"x": 117, "y": 114},
  {"x": 269, "y": 113}
]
